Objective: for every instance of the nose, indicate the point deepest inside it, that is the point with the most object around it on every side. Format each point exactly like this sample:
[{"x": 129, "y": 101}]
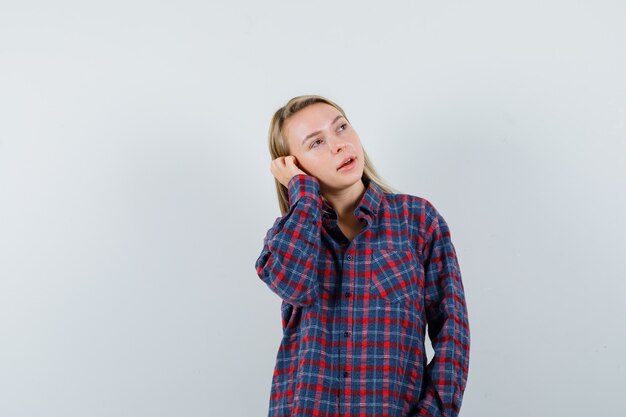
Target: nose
[{"x": 337, "y": 143}]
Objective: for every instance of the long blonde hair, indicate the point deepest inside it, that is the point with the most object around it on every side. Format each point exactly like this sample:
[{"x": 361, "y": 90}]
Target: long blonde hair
[{"x": 278, "y": 145}]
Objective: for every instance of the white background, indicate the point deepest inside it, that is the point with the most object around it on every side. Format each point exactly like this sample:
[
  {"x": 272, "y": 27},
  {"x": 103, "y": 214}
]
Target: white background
[{"x": 135, "y": 191}]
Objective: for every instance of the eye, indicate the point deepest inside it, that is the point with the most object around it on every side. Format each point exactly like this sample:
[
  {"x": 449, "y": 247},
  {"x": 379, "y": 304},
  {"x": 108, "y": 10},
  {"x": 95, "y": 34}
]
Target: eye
[
  {"x": 314, "y": 142},
  {"x": 343, "y": 126}
]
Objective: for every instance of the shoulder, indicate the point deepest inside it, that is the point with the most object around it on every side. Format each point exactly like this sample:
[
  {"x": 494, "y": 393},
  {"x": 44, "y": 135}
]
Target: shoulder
[{"x": 415, "y": 206}]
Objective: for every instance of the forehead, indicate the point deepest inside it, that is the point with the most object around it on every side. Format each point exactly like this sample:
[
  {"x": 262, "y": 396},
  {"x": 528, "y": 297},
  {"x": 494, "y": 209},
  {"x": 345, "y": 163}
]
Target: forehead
[{"x": 314, "y": 117}]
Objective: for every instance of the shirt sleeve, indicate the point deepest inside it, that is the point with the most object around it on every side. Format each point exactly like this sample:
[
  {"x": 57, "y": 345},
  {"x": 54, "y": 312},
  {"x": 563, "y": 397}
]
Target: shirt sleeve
[
  {"x": 288, "y": 260},
  {"x": 448, "y": 325}
]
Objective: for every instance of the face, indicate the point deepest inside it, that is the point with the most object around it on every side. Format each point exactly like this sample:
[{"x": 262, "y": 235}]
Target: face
[{"x": 321, "y": 138}]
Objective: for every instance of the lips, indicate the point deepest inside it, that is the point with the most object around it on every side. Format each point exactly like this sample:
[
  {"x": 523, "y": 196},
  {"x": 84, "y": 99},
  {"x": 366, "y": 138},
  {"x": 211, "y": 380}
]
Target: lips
[{"x": 346, "y": 160}]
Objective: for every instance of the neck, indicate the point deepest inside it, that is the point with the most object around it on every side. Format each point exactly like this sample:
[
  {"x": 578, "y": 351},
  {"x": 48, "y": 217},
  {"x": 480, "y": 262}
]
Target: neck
[{"x": 344, "y": 201}]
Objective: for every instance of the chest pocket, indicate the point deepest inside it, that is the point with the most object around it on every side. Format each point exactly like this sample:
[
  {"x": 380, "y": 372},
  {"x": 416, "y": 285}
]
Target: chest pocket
[{"x": 392, "y": 275}]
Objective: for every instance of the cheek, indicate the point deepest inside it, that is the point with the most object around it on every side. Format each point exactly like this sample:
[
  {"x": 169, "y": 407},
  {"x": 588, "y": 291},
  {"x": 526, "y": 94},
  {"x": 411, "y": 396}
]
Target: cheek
[
  {"x": 307, "y": 163},
  {"x": 317, "y": 165}
]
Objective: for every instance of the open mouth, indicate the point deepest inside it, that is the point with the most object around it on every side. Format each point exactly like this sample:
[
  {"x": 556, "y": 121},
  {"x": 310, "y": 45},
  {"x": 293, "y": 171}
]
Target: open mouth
[{"x": 347, "y": 165}]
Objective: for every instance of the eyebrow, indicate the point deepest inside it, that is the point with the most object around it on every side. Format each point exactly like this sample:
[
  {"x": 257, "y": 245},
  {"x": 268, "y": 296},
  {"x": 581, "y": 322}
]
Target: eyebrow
[{"x": 309, "y": 136}]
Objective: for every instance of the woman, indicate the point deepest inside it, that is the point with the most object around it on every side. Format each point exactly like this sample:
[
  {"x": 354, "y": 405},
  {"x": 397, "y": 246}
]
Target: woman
[{"x": 360, "y": 270}]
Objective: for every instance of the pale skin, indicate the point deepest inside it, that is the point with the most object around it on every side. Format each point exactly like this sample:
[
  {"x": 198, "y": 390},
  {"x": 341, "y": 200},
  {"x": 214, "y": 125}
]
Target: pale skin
[{"x": 319, "y": 138}]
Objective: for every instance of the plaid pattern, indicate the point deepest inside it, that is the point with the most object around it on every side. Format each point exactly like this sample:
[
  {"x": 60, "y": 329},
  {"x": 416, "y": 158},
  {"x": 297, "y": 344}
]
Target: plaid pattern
[{"x": 354, "y": 314}]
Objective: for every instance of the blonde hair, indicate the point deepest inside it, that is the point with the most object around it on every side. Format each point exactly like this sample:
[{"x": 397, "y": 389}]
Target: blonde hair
[{"x": 278, "y": 145}]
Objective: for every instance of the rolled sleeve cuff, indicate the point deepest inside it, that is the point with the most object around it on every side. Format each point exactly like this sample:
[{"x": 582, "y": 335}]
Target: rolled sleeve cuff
[{"x": 302, "y": 185}]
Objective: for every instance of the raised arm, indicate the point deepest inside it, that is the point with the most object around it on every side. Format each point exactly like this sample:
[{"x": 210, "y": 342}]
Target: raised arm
[
  {"x": 288, "y": 260},
  {"x": 448, "y": 325}
]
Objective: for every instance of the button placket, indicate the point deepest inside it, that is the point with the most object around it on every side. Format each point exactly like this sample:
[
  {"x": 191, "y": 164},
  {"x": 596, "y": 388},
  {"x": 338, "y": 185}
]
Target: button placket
[
  {"x": 347, "y": 333},
  {"x": 347, "y": 293}
]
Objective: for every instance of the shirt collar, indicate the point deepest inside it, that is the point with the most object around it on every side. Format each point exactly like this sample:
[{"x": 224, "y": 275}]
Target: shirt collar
[{"x": 368, "y": 205}]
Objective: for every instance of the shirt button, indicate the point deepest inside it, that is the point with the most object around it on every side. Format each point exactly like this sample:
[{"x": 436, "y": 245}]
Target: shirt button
[
  {"x": 347, "y": 295},
  {"x": 346, "y": 334},
  {"x": 346, "y": 373},
  {"x": 349, "y": 257}
]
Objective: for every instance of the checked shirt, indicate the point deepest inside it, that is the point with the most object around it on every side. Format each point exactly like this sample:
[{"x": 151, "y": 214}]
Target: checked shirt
[{"x": 355, "y": 313}]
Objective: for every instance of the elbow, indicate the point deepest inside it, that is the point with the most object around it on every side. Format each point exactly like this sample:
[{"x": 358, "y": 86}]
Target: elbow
[{"x": 297, "y": 294}]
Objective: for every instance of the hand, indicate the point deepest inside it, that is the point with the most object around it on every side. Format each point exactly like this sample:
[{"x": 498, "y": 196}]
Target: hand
[{"x": 284, "y": 168}]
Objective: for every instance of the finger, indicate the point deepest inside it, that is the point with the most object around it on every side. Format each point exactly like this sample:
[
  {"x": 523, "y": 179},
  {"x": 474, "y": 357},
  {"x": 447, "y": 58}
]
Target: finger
[
  {"x": 278, "y": 163},
  {"x": 290, "y": 160}
]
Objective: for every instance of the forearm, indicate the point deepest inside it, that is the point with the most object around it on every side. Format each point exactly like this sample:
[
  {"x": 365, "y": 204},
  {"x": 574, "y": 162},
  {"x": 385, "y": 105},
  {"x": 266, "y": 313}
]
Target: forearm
[{"x": 288, "y": 260}]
